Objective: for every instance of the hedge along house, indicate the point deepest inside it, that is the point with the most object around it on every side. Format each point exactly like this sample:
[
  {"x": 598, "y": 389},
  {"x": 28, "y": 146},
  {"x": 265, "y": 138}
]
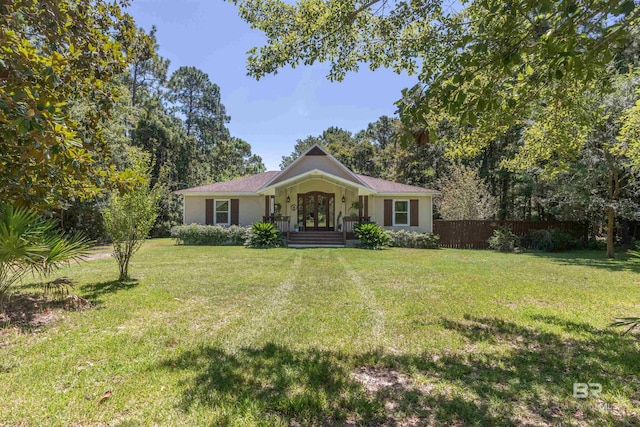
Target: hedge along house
[{"x": 314, "y": 200}]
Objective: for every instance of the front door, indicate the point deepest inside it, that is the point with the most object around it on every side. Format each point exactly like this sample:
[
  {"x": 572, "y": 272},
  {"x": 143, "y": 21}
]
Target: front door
[{"x": 316, "y": 210}]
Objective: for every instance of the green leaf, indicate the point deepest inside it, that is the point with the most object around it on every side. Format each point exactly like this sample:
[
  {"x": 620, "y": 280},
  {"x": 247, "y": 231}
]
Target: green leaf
[{"x": 626, "y": 7}]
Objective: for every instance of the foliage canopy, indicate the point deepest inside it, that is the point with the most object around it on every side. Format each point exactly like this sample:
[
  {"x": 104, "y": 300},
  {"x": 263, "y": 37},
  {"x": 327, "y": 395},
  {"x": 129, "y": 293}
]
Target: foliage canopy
[
  {"x": 484, "y": 62},
  {"x": 53, "y": 52}
]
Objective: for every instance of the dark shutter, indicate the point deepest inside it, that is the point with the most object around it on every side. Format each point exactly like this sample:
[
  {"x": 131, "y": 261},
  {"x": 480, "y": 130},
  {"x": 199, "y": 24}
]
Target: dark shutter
[
  {"x": 235, "y": 211},
  {"x": 360, "y": 206},
  {"x": 366, "y": 206},
  {"x": 413, "y": 212},
  {"x": 388, "y": 212},
  {"x": 208, "y": 214},
  {"x": 267, "y": 199}
]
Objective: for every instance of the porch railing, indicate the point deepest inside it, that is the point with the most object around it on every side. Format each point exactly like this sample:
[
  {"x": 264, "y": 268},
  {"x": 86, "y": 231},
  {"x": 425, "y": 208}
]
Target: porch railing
[
  {"x": 282, "y": 223},
  {"x": 348, "y": 225}
]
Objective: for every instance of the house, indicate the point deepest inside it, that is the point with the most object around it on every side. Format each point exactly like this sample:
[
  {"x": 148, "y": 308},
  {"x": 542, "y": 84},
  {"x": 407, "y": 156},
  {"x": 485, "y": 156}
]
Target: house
[{"x": 315, "y": 194}]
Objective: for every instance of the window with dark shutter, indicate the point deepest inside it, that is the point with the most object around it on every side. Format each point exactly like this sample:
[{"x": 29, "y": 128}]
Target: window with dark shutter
[
  {"x": 400, "y": 212},
  {"x": 222, "y": 211}
]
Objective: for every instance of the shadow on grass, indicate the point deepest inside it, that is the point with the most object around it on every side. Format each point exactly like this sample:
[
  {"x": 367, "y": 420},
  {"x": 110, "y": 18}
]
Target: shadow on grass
[
  {"x": 529, "y": 383},
  {"x": 597, "y": 259},
  {"x": 29, "y": 312},
  {"x": 93, "y": 291}
]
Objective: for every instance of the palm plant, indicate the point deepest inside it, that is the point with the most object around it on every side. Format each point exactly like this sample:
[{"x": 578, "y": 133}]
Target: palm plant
[
  {"x": 30, "y": 244},
  {"x": 628, "y": 322}
]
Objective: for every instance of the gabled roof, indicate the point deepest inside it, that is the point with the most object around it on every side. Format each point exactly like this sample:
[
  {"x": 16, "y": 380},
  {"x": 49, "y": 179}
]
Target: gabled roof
[
  {"x": 317, "y": 174},
  {"x": 252, "y": 185},
  {"x": 314, "y": 151},
  {"x": 248, "y": 184}
]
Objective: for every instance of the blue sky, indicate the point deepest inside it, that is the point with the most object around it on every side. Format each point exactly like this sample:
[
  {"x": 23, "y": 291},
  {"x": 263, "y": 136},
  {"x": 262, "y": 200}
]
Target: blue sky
[{"x": 272, "y": 113}]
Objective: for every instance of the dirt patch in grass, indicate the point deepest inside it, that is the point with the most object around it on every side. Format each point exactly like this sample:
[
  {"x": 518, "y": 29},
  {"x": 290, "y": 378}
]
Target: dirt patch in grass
[
  {"x": 399, "y": 394},
  {"x": 375, "y": 379},
  {"x": 92, "y": 257},
  {"x": 32, "y": 311},
  {"x": 28, "y": 311}
]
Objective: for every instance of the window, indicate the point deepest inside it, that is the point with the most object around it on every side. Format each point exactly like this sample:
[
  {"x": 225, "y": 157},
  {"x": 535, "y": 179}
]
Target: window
[
  {"x": 400, "y": 212},
  {"x": 221, "y": 213}
]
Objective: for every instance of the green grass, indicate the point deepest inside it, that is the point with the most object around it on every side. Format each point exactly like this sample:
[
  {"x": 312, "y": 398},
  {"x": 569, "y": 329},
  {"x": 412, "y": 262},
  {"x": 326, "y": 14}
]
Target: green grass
[{"x": 234, "y": 336}]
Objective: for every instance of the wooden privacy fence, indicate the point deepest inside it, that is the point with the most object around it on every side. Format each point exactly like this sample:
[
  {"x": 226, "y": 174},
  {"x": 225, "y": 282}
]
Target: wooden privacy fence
[{"x": 474, "y": 234}]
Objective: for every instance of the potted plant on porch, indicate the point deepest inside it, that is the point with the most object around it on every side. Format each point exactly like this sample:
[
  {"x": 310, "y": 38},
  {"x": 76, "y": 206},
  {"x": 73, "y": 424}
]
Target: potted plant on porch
[{"x": 354, "y": 207}]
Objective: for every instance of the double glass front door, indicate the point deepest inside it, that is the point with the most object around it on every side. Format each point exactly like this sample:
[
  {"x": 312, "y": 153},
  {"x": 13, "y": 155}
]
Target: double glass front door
[{"x": 316, "y": 210}]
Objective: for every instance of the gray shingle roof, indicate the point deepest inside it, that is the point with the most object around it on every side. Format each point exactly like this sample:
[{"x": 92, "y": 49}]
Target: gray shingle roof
[
  {"x": 247, "y": 184},
  {"x": 251, "y": 184},
  {"x": 384, "y": 186}
]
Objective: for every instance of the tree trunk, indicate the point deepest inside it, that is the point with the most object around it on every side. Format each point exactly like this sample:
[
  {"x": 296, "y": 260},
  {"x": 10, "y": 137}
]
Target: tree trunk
[
  {"x": 610, "y": 226},
  {"x": 134, "y": 91},
  {"x": 614, "y": 192}
]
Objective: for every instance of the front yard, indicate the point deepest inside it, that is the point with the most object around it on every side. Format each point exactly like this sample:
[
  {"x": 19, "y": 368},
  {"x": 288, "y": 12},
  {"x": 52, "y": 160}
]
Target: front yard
[{"x": 234, "y": 336}]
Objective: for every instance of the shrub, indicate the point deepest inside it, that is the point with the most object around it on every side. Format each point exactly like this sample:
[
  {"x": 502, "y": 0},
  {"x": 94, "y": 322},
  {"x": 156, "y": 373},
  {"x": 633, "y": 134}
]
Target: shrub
[
  {"x": 371, "y": 235},
  {"x": 264, "y": 235},
  {"x": 209, "y": 235},
  {"x": 552, "y": 240},
  {"x": 406, "y": 239},
  {"x": 237, "y": 235},
  {"x": 596, "y": 245},
  {"x": 503, "y": 240}
]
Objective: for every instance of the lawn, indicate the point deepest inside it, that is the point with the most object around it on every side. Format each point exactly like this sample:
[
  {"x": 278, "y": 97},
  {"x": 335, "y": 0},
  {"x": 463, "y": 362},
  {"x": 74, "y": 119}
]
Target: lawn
[{"x": 235, "y": 336}]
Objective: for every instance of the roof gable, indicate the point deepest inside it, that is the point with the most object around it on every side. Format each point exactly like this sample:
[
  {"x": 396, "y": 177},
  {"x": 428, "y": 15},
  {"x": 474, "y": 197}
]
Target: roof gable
[
  {"x": 316, "y": 158},
  {"x": 316, "y": 151}
]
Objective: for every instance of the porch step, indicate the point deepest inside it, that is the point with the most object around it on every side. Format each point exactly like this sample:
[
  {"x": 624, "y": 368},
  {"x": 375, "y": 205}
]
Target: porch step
[{"x": 316, "y": 238}]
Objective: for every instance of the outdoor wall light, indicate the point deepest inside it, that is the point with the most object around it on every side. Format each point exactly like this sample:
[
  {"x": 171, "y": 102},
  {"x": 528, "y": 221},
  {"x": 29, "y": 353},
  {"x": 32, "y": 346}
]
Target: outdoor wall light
[
  {"x": 343, "y": 199},
  {"x": 288, "y": 199}
]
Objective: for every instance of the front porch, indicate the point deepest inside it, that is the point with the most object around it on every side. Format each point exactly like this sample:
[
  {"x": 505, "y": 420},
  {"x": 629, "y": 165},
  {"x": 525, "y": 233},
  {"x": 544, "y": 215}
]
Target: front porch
[
  {"x": 297, "y": 236},
  {"x": 316, "y": 207}
]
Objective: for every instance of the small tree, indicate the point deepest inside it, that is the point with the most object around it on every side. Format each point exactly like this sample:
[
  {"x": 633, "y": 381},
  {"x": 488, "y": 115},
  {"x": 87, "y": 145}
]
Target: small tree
[
  {"x": 465, "y": 195},
  {"x": 129, "y": 217}
]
